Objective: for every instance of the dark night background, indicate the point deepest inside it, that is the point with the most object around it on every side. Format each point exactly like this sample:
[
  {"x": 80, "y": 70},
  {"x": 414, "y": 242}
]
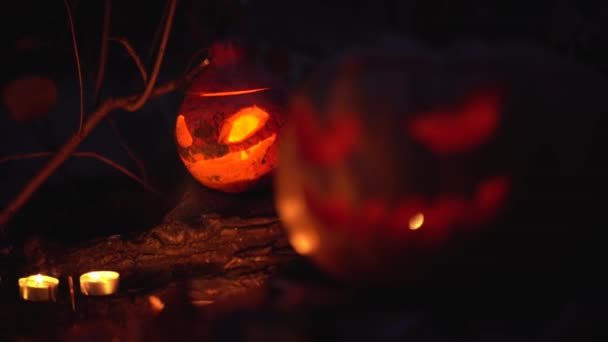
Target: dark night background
[
  {"x": 86, "y": 198},
  {"x": 37, "y": 40}
]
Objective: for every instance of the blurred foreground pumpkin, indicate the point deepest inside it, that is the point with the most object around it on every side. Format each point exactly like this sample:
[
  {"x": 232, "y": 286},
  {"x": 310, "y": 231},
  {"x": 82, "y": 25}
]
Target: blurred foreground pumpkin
[
  {"x": 401, "y": 165},
  {"x": 227, "y": 127},
  {"x": 29, "y": 98}
]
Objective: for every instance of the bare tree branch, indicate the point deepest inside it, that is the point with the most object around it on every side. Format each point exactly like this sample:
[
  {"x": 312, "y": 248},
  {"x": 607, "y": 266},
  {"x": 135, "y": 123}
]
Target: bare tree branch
[
  {"x": 74, "y": 141},
  {"x": 128, "y": 103},
  {"x": 136, "y": 105},
  {"x": 157, "y": 33},
  {"x": 123, "y": 143},
  {"x": 103, "y": 57}
]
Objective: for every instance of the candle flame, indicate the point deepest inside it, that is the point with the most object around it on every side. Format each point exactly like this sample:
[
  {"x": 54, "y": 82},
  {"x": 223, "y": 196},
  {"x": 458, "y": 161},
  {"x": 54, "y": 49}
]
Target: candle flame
[
  {"x": 416, "y": 221},
  {"x": 94, "y": 275},
  {"x": 38, "y": 278}
]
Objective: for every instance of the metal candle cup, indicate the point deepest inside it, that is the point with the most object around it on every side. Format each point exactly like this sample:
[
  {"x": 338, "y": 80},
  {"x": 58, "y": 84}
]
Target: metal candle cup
[
  {"x": 38, "y": 288},
  {"x": 99, "y": 283}
]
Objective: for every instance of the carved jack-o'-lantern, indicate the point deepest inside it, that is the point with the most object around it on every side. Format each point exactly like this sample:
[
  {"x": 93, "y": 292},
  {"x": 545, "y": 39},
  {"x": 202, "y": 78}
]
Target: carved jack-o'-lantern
[
  {"x": 401, "y": 164},
  {"x": 227, "y": 127}
]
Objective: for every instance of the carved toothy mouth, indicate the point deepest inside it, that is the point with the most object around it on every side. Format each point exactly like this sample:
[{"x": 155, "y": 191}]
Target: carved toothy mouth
[
  {"x": 439, "y": 213},
  {"x": 235, "y": 166}
]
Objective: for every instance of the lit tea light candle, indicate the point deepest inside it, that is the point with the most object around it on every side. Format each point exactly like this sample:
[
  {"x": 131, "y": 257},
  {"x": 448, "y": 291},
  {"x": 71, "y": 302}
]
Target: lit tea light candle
[
  {"x": 38, "y": 288},
  {"x": 99, "y": 283}
]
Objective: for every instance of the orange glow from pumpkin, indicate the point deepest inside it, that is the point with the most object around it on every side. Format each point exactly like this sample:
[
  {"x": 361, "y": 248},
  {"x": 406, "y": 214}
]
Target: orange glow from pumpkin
[
  {"x": 416, "y": 221},
  {"x": 304, "y": 238},
  {"x": 184, "y": 139},
  {"x": 243, "y": 124},
  {"x": 156, "y": 304},
  {"x": 242, "y": 127},
  {"x": 324, "y": 144},
  {"x": 304, "y": 242},
  {"x": 232, "y": 93}
]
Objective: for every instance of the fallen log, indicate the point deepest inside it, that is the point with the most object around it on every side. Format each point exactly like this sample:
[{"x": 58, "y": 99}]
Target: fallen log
[{"x": 229, "y": 243}]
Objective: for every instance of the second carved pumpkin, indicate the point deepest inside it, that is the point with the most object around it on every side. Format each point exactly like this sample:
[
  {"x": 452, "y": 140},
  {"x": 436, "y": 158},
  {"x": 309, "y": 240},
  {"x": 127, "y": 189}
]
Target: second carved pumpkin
[
  {"x": 401, "y": 164},
  {"x": 228, "y": 125}
]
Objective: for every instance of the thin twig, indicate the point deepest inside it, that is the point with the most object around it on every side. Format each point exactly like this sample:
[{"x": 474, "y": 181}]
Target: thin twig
[
  {"x": 77, "y": 56},
  {"x": 103, "y": 57},
  {"x": 125, "y": 146},
  {"x": 157, "y": 33},
  {"x": 117, "y": 167},
  {"x": 134, "y": 56},
  {"x": 88, "y": 155},
  {"x": 23, "y": 156},
  {"x": 121, "y": 140},
  {"x": 74, "y": 141},
  {"x": 103, "y": 53},
  {"x": 136, "y": 105}
]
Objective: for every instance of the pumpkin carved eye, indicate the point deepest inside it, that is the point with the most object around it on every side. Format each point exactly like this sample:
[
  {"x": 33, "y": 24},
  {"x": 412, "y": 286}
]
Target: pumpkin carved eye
[
  {"x": 243, "y": 124},
  {"x": 456, "y": 130}
]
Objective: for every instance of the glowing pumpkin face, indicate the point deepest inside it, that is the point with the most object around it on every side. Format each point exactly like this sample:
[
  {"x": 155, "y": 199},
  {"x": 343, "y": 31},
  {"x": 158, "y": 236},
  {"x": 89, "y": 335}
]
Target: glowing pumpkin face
[
  {"x": 227, "y": 127},
  {"x": 395, "y": 162}
]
